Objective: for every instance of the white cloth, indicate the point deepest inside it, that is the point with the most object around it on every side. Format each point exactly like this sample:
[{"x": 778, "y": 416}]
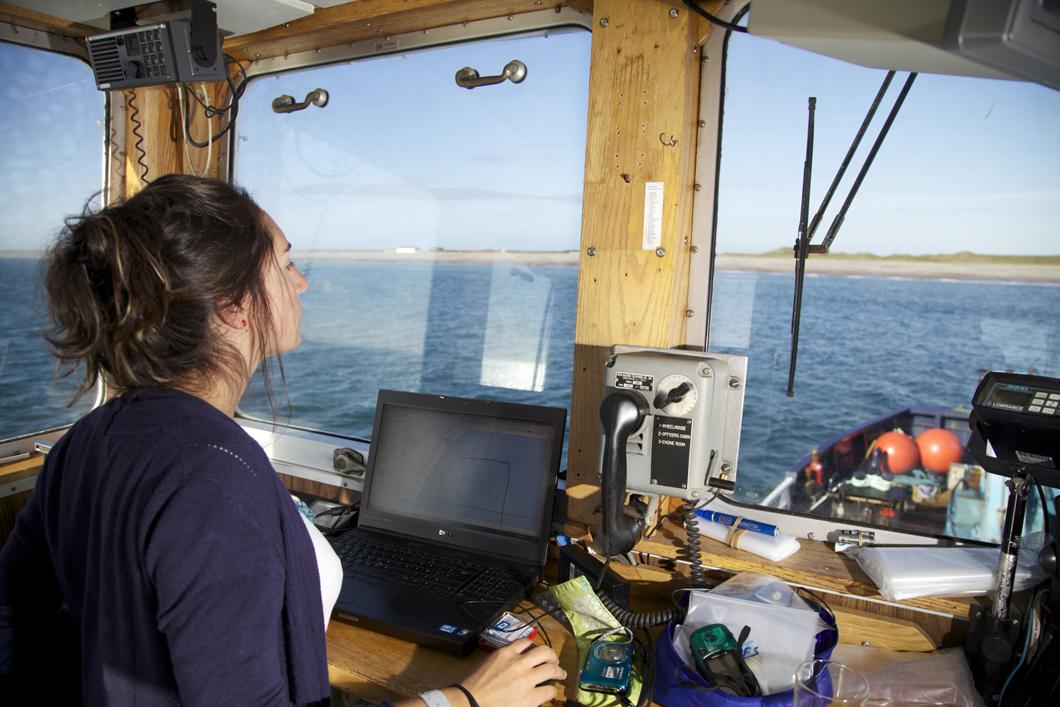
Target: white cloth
[
  {"x": 328, "y": 566},
  {"x": 773, "y": 548}
]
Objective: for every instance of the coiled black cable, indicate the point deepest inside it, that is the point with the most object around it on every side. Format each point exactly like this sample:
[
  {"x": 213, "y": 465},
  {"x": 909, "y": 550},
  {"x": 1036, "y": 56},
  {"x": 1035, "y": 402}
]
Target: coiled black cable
[
  {"x": 134, "y": 118},
  {"x": 235, "y": 93},
  {"x": 647, "y": 619},
  {"x": 694, "y": 6},
  {"x": 640, "y": 619},
  {"x": 691, "y": 549}
]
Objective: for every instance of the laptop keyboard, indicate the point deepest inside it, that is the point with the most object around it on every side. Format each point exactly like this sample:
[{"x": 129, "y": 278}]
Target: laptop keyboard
[{"x": 433, "y": 574}]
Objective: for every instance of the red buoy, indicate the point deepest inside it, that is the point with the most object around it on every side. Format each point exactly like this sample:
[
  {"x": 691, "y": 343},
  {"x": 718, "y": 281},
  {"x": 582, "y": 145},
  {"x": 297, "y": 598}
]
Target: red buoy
[
  {"x": 901, "y": 451},
  {"x": 938, "y": 449}
]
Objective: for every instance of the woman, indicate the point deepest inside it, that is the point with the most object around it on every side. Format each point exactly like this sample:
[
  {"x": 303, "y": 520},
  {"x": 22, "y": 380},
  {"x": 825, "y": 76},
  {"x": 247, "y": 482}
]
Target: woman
[{"x": 160, "y": 560}]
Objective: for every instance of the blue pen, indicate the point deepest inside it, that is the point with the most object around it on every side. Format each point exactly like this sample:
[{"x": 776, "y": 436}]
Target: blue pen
[{"x": 726, "y": 519}]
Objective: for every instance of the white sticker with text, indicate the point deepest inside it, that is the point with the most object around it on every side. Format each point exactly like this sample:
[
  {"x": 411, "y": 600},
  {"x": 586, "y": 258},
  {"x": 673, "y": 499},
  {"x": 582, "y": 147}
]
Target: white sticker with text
[{"x": 653, "y": 213}]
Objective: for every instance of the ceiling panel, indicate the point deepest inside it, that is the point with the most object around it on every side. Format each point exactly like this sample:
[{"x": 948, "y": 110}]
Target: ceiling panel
[{"x": 233, "y": 16}]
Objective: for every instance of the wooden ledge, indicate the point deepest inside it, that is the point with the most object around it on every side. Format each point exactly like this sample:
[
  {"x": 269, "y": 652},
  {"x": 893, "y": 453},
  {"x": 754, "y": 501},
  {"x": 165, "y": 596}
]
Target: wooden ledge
[
  {"x": 375, "y": 667},
  {"x": 23, "y": 468},
  {"x": 354, "y": 21},
  {"x": 18, "y": 16},
  {"x": 815, "y": 566}
]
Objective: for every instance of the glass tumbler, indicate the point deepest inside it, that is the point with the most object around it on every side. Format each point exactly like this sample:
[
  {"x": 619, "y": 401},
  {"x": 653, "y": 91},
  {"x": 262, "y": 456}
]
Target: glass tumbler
[{"x": 823, "y": 683}]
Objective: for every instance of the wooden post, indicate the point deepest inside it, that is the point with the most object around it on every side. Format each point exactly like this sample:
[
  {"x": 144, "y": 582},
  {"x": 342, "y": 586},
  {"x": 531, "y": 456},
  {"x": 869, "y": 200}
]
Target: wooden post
[
  {"x": 152, "y": 135},
  {"x": 160, "y": 135},
  {"x": 643, "y": 101},
  {"x": 209, "y": 161}
]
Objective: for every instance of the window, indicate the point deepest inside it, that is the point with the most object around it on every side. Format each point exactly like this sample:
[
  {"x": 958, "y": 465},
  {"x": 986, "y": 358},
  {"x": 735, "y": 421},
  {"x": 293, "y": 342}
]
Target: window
[
  {"x": 946, "y": 267},
  {"x": 51, "y": 148},
  {"x": 438, "y": 226}
]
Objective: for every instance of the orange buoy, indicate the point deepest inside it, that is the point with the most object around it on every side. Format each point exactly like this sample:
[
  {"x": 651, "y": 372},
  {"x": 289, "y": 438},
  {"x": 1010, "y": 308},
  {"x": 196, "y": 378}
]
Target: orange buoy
[
  {"x": 900, "y": 449},
  {"x": 938, "y": 449}
]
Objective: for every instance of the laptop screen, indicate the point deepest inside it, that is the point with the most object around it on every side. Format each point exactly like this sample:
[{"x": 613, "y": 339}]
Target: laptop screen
[{"x": 470, "y": 473}]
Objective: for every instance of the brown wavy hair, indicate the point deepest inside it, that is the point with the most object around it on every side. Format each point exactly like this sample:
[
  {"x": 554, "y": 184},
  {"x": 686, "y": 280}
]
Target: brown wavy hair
[{"x": 134, "y": 290}]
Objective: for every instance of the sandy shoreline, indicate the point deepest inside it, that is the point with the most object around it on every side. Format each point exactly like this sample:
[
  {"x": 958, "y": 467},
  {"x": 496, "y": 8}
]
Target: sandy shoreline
[
  {"x": 548, "y": 257},
  {"x": 817, "y": 265},
  {"x": 822, "y": 265}
]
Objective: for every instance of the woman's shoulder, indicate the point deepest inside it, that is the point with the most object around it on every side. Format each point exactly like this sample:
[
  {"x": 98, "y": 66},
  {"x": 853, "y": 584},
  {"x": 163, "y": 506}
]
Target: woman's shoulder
[
  {"x": 182, "y": 430},
  {"x": 225, "y": 455}
]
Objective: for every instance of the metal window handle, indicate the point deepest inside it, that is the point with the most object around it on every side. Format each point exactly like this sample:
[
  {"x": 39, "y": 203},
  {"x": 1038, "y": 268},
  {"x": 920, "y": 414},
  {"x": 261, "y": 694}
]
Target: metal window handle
[
  {"x": 514, "y": 71},
  {"x": 285, "y": 104}
]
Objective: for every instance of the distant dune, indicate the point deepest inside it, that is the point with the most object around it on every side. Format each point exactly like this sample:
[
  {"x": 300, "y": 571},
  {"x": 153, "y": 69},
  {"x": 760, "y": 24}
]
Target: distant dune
[
  {"x": 931, "y": 267},
  {"x": 956, "y": 266},
  {"x": 21, "y": 253},
  {"x": 529, "y": 257}
]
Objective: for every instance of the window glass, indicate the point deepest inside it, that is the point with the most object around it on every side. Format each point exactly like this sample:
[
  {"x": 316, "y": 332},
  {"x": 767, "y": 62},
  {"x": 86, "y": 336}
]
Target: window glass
[
  {"x": 51, "y": 149},
  {"x": 947, "y": 265},
  {"x": 438, "y": 226}
]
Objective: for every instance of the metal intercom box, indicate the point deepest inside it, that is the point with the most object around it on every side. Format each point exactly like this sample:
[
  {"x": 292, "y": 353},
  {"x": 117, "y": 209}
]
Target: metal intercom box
[{"x": 689, "y": 443}]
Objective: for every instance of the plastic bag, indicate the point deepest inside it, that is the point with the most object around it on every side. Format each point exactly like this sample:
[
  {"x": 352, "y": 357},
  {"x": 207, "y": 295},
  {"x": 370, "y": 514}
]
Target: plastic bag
[
  {"x": 909, "y": 572},
  {"x": 938, "y": 678},
  {"x": 678, "y": 685},
  {"x": 783, "y": 627}
]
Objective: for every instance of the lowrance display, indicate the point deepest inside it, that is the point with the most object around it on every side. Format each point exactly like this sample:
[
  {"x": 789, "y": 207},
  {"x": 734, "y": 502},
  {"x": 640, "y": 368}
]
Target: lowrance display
[
  {"x": 1016, "y": 415},
  {"x": 1019, "y": 397}
]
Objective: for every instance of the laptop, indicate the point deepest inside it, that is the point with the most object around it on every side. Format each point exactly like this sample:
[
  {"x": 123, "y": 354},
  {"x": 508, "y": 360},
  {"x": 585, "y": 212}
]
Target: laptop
[{"x": 454, "y": 520}]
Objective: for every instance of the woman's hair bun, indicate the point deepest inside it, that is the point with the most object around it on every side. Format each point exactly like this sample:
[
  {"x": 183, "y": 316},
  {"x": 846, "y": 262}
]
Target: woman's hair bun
[{"x": 134, "y": 289}]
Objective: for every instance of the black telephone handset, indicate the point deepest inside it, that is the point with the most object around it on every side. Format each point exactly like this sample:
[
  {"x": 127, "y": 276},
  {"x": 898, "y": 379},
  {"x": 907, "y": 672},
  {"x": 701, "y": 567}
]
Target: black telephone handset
[{"x": 622, "y": 412}]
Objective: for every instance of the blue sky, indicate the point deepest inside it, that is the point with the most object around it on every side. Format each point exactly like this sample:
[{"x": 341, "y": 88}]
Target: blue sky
[
  {"x": 51, "y": 143},
  {"x": 403, "y": 156},
  {"x": 969, "y": 164}
]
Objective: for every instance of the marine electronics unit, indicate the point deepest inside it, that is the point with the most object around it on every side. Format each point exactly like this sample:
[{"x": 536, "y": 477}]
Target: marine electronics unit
[
  {"x": 1019, "y": 417},
  {"x": 1015, "y": 432},
  {"x": 671, "y": 427},
  {"x": 689, "y": 439},
  {"x": 170, "y": 51}
]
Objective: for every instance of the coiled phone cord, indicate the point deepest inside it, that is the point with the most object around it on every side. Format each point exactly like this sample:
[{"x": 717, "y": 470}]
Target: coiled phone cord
[
  {"x": 647, "y": 619},
  {"x": 640, "y": 619},
  {"x": 691, "y": 549}
]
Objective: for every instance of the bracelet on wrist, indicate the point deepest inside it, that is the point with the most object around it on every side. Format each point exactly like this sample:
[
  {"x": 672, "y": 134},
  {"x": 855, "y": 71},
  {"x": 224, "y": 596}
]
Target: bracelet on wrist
[{"x": 467, "y": 693}]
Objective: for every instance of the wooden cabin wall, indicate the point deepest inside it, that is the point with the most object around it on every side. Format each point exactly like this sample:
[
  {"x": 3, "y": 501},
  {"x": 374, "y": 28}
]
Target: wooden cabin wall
[
  {"x": 354, "y": 21},
  {"x": 154, "y": 143},
  {"x": 17, "y": 16},
  {"x": 12, "y": 500},
  {"x": 643, "y": 114}
]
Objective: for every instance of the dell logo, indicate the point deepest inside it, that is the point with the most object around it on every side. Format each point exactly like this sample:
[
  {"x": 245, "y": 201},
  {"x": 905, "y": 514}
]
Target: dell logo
[{"x": 444, "y": 533}]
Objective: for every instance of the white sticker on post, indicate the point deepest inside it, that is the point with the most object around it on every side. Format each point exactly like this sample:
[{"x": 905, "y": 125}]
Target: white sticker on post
[{"x": 653, "y": 213}]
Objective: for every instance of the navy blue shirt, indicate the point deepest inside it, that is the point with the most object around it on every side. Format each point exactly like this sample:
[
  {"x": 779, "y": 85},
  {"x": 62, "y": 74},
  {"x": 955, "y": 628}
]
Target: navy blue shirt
[{"x": 160, "y": 537}]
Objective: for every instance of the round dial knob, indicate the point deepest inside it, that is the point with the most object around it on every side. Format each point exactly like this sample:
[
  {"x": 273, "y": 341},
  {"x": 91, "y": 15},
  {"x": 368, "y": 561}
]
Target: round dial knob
[{"x": 676, "y": 396}]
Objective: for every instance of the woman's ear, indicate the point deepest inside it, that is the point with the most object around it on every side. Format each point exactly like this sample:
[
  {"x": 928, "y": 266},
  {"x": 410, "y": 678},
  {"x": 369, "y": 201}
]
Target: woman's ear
[{"x": 233, "y": 316}]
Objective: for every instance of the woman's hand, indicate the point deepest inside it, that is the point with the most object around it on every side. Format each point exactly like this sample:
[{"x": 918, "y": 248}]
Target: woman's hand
[{"x": 518, "y": 675}]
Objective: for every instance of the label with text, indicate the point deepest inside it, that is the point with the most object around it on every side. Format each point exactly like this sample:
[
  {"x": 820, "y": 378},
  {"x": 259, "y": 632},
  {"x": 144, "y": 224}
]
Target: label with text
[
  {"x": 670, "y": 448},
  {"x": 653, "y": 214},
  {"x": 634, "y": 381}
]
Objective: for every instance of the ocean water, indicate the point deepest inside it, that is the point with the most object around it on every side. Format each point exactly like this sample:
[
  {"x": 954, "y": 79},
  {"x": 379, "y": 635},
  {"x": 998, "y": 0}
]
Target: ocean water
[
  {"x": 869, "y": 346},
  {"x": 505, "y": 331},
  {"x": 32, "y": 396}
]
